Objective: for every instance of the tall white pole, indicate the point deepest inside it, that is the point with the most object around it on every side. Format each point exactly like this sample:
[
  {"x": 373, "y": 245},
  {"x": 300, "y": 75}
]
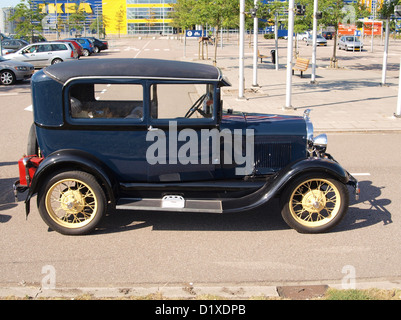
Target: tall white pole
[
  {"x": 276, "y": 39},
  {"x": 290, "y": 47},
  {"x": 315, "y": 7},
  {"x": 398, "y": 112},
  {"x": 241, "y": 49},
  {"x": 255, "y": 50},
  {"x": 385, "y": 53}
]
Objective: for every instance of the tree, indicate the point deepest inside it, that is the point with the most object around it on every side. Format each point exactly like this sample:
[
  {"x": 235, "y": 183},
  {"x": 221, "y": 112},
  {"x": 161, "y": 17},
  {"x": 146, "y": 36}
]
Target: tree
[
  {"x": 28, "y": 19},
  {"x": 120, "y": 16},
  {"x": 77, "y": 19},
  {"x": 333, "y": 12}
]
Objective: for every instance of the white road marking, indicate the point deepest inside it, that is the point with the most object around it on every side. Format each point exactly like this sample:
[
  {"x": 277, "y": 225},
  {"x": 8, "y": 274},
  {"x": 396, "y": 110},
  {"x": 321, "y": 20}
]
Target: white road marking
[
  {"x": 8, "y": 94},
  {"x": 143, "y": 48},
  {"x": 360, "y": 174},
  {"x": 29, "y": 108}
]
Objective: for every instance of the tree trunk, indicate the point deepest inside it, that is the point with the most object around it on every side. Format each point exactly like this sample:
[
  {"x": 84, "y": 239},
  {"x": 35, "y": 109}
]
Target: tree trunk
[
  {"x": 216, "y": 41},
  {"x": 333, "y": 59}
]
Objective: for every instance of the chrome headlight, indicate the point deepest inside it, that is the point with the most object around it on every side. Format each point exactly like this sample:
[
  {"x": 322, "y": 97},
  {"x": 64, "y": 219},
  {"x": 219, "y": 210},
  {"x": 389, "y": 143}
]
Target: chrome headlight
[{"x": 320, "y": 142}]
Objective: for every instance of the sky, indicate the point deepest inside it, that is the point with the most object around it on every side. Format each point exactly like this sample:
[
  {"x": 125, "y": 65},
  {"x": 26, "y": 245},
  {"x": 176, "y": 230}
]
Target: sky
[{"x": 9, "y": 3}]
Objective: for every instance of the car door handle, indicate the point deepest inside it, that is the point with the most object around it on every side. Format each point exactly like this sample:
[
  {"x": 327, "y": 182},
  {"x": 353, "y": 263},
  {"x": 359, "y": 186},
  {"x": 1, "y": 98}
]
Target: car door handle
[{"x": 150, "y": 128}]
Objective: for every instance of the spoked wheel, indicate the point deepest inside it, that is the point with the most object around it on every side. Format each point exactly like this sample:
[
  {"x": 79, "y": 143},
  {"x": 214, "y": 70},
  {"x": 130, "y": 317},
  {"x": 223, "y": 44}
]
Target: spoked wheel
[
  {"x": 313, "y": 204},
  {"x": 72, "y": 202}
]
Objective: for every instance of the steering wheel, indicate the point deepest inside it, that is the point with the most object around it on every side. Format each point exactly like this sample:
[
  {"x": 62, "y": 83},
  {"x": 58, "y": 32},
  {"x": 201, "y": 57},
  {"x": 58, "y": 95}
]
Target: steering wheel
[{"x": 196, "y": 107}]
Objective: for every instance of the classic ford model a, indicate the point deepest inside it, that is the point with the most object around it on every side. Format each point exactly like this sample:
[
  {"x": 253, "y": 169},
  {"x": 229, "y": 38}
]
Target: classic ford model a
[{"x": 142, "y": 134}]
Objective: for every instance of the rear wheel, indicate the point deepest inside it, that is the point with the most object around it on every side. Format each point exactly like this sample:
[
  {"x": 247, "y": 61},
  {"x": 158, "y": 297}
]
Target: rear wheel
[
  {"x": 32, "y": 146},
  {"x": 314, "y": 203},
  {"x": 72, "y": 202},
  {"x": 57, "y": 60},
  {"x": 86, "y": 53}
]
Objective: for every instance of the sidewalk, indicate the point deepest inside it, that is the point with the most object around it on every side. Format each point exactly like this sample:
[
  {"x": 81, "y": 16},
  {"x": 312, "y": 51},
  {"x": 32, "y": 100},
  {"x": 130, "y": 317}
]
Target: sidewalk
[{"x": 348, "y": 99}]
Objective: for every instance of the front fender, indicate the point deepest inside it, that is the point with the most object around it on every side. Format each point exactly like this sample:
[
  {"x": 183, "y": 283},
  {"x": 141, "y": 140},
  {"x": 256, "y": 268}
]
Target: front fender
[
  {"x": 278, "y": 182},
  {"x": 70, "y": 159}
]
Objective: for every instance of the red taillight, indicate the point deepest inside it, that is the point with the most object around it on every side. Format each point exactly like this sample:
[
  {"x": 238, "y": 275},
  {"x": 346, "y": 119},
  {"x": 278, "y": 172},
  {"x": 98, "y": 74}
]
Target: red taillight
[
  {"x": 27, "y": 167},
  {"x": 72, "y": 53}
]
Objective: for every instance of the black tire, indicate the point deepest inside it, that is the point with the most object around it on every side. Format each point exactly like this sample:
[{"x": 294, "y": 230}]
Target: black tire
[
  {"x": 57, "y": 60},
  {"x": 32, "y": 146},
  {"x": 96, "y": 49},
  {"x": 72, "y": 202},
  {"x": 86, "y": 53},
  {"x": 7, "y": 77},
  {"x": 314, "y": 203}
]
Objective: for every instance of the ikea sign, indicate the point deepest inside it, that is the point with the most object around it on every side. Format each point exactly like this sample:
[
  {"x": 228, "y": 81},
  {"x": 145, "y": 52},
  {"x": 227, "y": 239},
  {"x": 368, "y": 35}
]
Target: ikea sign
[{"x": 68, "y": 7}]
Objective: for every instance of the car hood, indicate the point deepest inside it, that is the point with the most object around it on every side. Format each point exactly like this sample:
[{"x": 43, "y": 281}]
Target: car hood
[
  {"x": 13, "y": 63},
  {"x": 269, "y": 124}
]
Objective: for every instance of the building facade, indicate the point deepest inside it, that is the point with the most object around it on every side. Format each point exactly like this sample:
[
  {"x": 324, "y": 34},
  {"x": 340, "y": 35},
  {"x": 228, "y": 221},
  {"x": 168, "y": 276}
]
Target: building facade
[{"x": 117, "y": 16}]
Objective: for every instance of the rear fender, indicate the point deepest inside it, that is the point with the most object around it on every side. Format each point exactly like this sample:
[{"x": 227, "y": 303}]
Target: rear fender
[
  {"x": 278, "y": 182},
  {"x": 72, "y": 160}
]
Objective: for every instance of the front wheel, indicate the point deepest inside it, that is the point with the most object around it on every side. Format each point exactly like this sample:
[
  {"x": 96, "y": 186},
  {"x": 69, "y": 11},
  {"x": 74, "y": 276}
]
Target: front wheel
[
  {"x": 7, "y": 78},
  {"x": 314, "y": 204},
  {"x": 72, "y": 202}
]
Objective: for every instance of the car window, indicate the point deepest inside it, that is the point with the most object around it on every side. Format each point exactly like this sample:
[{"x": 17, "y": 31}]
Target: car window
[
  {"x": 59, "y": 46},
  {"x": 173, "y": 101},
  {"x": 44, "y": 48},
  {"x": 105, "y": 101}
]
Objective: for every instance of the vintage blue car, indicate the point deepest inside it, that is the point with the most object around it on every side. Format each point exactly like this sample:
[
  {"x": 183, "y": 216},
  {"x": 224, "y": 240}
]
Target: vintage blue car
[{"x": 145, "y": 134}]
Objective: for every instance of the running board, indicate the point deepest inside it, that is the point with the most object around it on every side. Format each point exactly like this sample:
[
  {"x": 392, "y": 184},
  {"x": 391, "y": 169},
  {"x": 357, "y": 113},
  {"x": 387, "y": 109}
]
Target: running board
[{"x": 181, "y": 205}]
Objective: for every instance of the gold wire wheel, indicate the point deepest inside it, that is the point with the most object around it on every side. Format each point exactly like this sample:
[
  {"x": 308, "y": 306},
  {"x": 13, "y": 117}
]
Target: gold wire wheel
[
  {"x": 71, "y": 203},
  {"x": 315, "y": 202}
]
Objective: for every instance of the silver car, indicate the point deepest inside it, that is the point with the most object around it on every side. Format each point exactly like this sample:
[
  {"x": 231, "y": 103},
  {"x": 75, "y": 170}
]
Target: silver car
[
  {"x": 350, "y": 43},
  {"x": 10, "y": 71},
  {"x": 320, "y": 40},
  {"x": 43, "y": 54}
]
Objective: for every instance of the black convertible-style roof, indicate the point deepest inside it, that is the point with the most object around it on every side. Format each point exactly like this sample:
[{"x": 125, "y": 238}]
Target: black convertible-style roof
[{"x": 137, "y": 68}]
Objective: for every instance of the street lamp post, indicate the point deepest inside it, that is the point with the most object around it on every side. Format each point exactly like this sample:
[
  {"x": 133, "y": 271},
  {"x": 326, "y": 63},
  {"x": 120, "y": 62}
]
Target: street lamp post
[
  {"x": 255, "y": 45},
  {"x": 315, "y": 7},
  {"x": 241, "y": 49},
  {"x": 289, "y": 54}
]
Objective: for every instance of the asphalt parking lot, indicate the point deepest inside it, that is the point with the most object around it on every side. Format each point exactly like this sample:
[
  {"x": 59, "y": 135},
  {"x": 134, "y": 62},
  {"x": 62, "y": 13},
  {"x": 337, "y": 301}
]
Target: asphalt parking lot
[{"x": 144, "y": 252}]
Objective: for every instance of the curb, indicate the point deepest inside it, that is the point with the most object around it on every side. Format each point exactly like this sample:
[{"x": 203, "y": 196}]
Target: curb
[{"x": 189, "y": 291}]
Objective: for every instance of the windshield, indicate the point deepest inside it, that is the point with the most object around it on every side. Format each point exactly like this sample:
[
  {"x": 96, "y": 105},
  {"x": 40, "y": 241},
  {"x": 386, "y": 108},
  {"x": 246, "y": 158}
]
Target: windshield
[{"x": 351, "y": 39}]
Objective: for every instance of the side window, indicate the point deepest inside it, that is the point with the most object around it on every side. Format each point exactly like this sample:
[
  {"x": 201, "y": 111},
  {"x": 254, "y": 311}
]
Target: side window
[
  {"x": 58, "y": 46},
  {"x": 107, "y": 101},
  {"x": 174, "y": 101}
]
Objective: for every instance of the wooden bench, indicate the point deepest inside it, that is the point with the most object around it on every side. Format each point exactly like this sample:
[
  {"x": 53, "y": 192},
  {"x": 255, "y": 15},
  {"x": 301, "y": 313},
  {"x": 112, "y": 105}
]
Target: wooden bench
[
  {"x": 261, "y": 56},
  {"x": 301, "y": 64}
]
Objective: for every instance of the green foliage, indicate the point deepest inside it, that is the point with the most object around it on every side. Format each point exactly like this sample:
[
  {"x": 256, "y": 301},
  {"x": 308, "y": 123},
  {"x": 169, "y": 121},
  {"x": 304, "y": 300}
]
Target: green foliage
[{"x": 28, "y": 19}]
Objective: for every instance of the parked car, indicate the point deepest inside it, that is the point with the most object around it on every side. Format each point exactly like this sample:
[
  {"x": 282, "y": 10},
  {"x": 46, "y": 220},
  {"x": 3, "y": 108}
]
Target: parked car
[
  {"x": 11, "y": 71},
  {"x": 32, "y": 39},
  {"x": 44, "y": 54},
  {"x": 86, "y": 44},
  {"x": 304, "y": 35},
  {"x": 328, "y": 35},
  {"x": 320, "y": 41},
  {"x": 350, "y": 43},
  {"x": 3, "y": 36},
  {"x": 99, "y": 45},
  {"x": 13, "y": 44},
  {"x": 77, "y": 46},
  {"x": 158, "y": 139}
]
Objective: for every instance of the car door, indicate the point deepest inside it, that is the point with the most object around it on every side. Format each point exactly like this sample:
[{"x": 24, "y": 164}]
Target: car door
[
  {"x": 28, "y": 54},
  {"x": 183, "y": 141},
  {"x": 44, "y": 55}
]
